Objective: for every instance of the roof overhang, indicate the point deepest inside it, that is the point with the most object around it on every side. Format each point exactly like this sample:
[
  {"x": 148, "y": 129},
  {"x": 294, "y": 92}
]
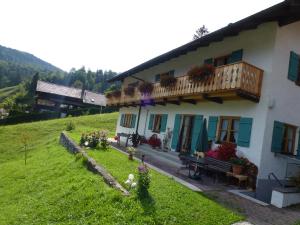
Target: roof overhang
[{"x": 284, "y": 13}]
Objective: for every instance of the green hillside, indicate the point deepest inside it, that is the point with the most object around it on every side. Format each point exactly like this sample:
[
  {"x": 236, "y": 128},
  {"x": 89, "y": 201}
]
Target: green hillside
[
  {"x": 54, "y": 188},
  {"x": 17, "y": 66},
  {"x": 8, "y": 91}
]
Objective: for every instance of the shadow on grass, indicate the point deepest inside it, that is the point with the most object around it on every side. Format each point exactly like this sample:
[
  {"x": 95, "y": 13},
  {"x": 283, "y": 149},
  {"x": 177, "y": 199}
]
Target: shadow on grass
[{"x": 147, "y": 202}]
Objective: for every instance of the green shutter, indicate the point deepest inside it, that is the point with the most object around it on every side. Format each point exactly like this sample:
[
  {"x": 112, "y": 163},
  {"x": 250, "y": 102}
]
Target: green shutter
[
  {"x": 122, "y": 120},
  {"x": 150, "y": 126},
  {"x": 197, "y": 126},
  {"x": 209, "y": 61},
  {"x": 212, "y": 127},
  {"x": 293, "y": 67},
  {"x": 277, "y": 138},
  {"x": 163, "y": 124},
  {"x": 176, "y": 131},
  {"x": 133, "y": 121},
  {"x": 236, "y": 56},
  {"x": 244, "y": 134},
  {"x": 298, "y": 147}
]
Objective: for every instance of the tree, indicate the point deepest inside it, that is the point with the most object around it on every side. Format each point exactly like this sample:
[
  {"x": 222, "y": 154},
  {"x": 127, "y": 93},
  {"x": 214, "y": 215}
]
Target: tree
[
  {"x": 78, "y": 84},
  {"x": 25, "y": 139},
  {"x": 33, "y": 84},
  {"x": 200, "y": 32}
]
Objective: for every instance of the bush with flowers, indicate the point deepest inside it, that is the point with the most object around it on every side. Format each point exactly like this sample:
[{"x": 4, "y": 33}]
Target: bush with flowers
[
  {"x": 93, "y": 139},
  {"x": 200, "y": 73},
  {"x": 130, "y": 181}
]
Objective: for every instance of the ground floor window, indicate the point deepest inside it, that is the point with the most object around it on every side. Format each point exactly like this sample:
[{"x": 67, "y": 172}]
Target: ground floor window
[
  {"x": 228, "y": 129},
  {"x": 127, "y": 120},
  {"x": 288, "y": 140}
]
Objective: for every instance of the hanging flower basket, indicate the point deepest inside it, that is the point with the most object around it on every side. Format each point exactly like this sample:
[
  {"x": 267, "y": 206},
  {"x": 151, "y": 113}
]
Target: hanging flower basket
[
  {"x": 129, "y": 91},
  {"x": 200, "y": 73},
  {"x": 168, "y": 81},
  {"x": 146, "y": 88}
]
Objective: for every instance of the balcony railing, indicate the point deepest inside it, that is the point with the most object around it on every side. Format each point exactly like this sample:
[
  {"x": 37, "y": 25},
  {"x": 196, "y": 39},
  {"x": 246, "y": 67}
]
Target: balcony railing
[{"x": 238, "y": 80}]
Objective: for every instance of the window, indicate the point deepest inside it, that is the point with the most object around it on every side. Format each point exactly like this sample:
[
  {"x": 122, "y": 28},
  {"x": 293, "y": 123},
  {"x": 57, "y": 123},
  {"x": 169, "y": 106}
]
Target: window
[
  {"x": 220, "y": 61},
  {"x": 127, "y": 120},
  {"x": 158, "y": 122},
  {"x": 228, "y": 129},
  {"x": 288, "y": 140},
  {"x": 169, "y": 73},
  {"x": 283, "y": 139}
]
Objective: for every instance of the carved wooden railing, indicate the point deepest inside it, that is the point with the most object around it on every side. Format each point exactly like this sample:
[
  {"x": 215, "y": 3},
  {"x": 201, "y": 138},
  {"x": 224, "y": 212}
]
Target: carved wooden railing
[{"x": 241, "y": 77}]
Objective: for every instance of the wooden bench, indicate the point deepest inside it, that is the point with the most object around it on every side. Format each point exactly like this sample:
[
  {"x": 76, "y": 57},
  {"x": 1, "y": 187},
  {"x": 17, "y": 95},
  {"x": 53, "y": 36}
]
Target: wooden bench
[
  {"x": 119, "y": 135},
  {"x": 240, "y": 178},
  {"x": 217, "y": 166}
]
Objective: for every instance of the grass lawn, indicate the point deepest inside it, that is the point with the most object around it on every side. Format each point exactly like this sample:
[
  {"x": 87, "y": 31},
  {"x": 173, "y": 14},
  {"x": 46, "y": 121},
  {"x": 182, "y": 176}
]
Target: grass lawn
[{"x": 53, "y": 188}]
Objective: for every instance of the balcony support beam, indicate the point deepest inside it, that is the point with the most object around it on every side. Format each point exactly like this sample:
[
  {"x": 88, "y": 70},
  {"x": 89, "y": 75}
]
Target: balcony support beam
[
  {"x": 175, "y": 102},
  {"x": 247, "y": 96},
  {"x": 218, "y": 100},
  {"x": 191, "y": 101}
]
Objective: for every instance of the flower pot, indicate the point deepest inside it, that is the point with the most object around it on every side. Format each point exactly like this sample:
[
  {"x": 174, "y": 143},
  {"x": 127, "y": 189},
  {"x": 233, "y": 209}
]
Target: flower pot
[
  {"x": 237, "y": 169},
  {"x": 130, "y": 157}
]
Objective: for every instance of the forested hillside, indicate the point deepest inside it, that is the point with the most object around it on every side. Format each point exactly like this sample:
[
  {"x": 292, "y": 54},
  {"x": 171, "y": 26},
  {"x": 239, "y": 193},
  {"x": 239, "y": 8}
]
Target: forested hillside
[{"x": 17, "y": 66}]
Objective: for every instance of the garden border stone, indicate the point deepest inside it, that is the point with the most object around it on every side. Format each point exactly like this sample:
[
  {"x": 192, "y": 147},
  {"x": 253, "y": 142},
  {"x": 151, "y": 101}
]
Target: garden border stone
[{"x": 92, "y": 165}]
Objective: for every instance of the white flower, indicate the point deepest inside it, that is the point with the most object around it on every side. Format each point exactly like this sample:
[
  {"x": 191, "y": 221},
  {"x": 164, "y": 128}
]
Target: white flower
[
  {"x": 131, "y": 177},
  {"x": 133, "y": 185},
  {"x": 86, "y": 143},
  {"x": 128, "y": 181}
]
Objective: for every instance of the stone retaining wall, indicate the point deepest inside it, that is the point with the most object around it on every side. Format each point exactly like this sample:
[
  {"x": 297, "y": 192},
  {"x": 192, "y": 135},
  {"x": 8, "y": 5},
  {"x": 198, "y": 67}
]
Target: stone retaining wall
[{"x": 92, "y": 165}]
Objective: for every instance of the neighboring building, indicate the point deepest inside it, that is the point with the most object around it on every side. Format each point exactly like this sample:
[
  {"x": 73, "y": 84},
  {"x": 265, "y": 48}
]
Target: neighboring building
[
  {"x": 252, "y": 99},
  {"x": 55, "y": 97}
]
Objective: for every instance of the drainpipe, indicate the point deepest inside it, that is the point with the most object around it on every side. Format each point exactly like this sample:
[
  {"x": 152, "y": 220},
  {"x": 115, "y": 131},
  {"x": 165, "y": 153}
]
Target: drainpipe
[{"x": 138, "y": 119}]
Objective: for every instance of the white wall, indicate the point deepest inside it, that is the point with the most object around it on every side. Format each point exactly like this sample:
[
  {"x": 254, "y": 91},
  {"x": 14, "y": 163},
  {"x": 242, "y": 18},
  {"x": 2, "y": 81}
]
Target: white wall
[
  {"x": 242, "y": 108},
  {"x": 285, "y": 94},
  {"x": 257, "y": 45}
]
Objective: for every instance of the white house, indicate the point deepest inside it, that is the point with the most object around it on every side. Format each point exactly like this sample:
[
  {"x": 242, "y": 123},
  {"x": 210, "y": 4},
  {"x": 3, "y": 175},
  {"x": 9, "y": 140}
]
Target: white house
[{"x": 252, "y": 99}]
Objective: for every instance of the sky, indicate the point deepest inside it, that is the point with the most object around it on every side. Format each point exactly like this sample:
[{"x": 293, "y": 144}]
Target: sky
[{"x": 112, "y": 34}]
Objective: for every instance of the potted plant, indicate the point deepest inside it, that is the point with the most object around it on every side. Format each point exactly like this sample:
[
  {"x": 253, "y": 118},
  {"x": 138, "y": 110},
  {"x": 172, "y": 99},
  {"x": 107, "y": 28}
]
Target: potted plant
[
  {"x": 200, "y": 73},
  {"x": 131, "y": 151},
  {"x": 129, "y": 91},
  {"x": 168, "y": 81},
  {"x": 237, "y": 165},
  {"x": 146, "y": 88}
]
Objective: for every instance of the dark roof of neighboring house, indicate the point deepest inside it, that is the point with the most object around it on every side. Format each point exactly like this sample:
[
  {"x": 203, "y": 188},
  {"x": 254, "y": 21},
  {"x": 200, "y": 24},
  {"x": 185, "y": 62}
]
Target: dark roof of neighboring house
[
  {"x": 56, "y": 89},
  {"x": 284, "y": 13},
  {"x": 88, "y": 97}
]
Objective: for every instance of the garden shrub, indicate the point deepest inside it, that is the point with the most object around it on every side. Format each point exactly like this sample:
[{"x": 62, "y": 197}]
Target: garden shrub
[
  {"x": 143, "y": 180},
  {"x": 70, "y": 126}
]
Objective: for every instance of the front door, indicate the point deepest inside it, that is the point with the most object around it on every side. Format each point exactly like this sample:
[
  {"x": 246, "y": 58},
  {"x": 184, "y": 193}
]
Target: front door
[{"x": 185, "y": 137}]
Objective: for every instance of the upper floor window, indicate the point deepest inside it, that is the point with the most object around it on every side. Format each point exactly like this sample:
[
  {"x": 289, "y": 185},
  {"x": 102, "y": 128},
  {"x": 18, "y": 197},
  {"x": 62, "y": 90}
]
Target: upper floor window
[
  {"x": 220, "y": 61},
  {"x": 229, "y": 129},
  {"x": 234, "y": 57},
  {"x": 169, "y": 73}
]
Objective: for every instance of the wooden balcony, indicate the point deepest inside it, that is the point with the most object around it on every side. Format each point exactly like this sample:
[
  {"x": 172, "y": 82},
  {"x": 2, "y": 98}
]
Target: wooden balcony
[{"x": 235, "y": 81}]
